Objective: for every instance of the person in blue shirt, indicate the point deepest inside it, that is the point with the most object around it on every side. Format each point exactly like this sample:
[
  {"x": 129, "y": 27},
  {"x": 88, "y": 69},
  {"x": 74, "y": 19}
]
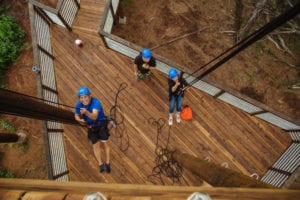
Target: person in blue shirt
[
  {"x": 143, "y": 63},
  {"x": 89, "y": 112}
]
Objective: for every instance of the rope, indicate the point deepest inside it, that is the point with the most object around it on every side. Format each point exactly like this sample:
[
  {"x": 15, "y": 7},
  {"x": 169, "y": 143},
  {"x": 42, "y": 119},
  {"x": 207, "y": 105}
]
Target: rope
[
  {"x": 165, "y": 165},
  {"x": 117, "y": 115},
  {"x": 272, "y": 25}
]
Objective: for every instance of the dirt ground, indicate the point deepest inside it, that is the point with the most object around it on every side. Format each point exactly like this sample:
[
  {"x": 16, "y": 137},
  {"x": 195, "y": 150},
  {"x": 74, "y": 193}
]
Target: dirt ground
[
  {"x": 31, "y": 162},
  {"x": 261, "y": 72}
]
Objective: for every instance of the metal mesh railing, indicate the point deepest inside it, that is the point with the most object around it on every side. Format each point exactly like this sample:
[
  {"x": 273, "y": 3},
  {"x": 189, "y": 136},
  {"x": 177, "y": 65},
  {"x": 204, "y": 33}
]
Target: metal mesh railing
[
  {"x": 44, "y": 61},
  {"x": 274, "y": 176}
]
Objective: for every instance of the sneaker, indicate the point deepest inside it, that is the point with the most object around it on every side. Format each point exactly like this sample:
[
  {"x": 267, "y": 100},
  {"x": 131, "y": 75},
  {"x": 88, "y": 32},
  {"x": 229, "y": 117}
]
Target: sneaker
[
  {"x": 108, "y": 170},
  {"x": 101, "y": 168},
  {"x": 139, "y": 76},
  {"x": 178, "y": 119},
  {"x": 170, "y": 120},
  {"x": 148, "y": 75},
  {"x": 112, "y": 122}
]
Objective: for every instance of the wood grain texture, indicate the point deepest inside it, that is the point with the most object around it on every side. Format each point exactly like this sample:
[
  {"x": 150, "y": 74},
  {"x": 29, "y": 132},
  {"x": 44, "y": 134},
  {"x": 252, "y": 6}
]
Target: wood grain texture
[{"x": 218, "y": 130}]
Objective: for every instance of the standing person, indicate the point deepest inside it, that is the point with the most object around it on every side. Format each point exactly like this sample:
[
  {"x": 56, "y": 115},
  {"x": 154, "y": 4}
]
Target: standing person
[
  {"x": 176, "y": 82},
  {"x": 143, "y": 64},
  {"x": 89, "y": 112}
]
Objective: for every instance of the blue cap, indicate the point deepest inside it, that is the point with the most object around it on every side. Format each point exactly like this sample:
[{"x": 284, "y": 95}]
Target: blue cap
[
  {"x": 83, "y": 91},
  {"x": 146, "y": 53},
  {"x": 173, "y": 73}
]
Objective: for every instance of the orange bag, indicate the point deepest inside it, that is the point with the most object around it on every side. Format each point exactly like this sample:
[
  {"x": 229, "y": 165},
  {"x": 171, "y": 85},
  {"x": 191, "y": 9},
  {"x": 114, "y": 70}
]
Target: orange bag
[{"x": 186, "y": 113}]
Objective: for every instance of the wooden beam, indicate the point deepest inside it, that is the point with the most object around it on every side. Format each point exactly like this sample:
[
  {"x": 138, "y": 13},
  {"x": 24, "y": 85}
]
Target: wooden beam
[{"x": 215, "y": 174}]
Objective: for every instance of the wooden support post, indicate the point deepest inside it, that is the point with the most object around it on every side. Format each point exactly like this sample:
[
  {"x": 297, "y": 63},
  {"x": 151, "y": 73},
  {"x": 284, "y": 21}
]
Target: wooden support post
[
  {"x": 19, "y": 104},
  {"x": 8, "y": 137},
  {"x": 216, "y": 175}
]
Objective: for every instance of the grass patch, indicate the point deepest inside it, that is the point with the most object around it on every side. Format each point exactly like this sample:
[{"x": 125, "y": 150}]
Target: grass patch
[
  {"x": 8, "y": 127},
  {"x": 4, "y": 173},
  {"x": 22, "y": 146}
]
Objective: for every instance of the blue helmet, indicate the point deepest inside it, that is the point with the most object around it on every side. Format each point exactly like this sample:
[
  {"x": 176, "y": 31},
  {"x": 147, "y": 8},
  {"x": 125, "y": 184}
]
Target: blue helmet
[
  {"x": 83, "y": 91},
  {"x": 146, "y": 53},
  {"x": 173, "y": 73}
]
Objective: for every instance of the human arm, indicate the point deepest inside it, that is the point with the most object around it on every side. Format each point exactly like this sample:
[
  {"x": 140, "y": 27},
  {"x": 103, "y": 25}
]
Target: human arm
[
  {"x": 80, "y": 119},
  {"x": 92, "y": 115},
  {"x": 135, "y": 69},
  {"x": 176, "y": 85}
]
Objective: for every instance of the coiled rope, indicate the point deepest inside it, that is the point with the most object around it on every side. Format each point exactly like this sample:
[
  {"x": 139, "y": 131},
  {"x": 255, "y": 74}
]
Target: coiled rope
[
  {"x": 165, "y": 164},
  {"x": 117, "y": 115}
]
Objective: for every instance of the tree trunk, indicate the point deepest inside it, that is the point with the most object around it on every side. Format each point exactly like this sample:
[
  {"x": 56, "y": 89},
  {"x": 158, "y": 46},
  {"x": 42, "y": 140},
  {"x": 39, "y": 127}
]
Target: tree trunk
[
  {"x": 245, "y": 29},
  {"x": 19, "y": 104},
  {"x": 216, "y": 175},
  {"x": 12, "y": 138}
]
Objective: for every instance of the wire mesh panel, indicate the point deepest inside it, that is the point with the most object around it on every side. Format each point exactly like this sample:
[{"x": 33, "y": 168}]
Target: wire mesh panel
[
  {"x": 54, "y": 18},
  {"x": 109, "y": 22},
  {"x": 239, "y": 103},
  {"x": 203, "y": 86},
  {"x": 295, "y": 135},
  {"x": 277, "y": 121},
  {"x": 53, "y": 125},
  {"x": 115, "y": 5},
  {"x": 274, "y": 178},
  {"x": 57, "y": 153},
  {"x": 47, "y": 70},
  {"x": 42, "y": 33},
  {"x": 50, "y": 97},
  {"x": 290, "y": 160},
  {"x": 123, "y": 49},
  {"x": 68, "y": 11}
]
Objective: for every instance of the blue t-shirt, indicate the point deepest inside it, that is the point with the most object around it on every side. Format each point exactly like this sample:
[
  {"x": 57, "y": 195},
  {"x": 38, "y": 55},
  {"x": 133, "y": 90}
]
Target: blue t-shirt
[{"x": 94, "y": 104}]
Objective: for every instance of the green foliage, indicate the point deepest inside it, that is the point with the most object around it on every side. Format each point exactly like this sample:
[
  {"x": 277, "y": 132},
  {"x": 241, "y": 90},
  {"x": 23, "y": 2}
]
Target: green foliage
[
  {"x": 125, "y": 3},
  {"x": 11, "y": 43},
  {"x": 11, "y": 40},
  {"x": 6, "y": 174},
  {"x": 22, "y": 146},
  {"x": 7, "y": 126},
  {"x": 4, "y": 8}
]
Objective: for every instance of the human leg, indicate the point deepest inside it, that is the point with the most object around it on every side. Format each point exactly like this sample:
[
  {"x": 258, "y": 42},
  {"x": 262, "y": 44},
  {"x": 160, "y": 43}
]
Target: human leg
[
  {"x": 107, "y": 154},
  {"x": 97, "y": 153},
  {"x": 178, "y": 108},
  {"x": 171, "y": 109}
]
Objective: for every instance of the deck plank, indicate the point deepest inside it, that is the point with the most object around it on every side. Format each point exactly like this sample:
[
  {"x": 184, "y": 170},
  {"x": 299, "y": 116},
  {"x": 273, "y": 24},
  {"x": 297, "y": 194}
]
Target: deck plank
[{"x": 218, "y": 130}]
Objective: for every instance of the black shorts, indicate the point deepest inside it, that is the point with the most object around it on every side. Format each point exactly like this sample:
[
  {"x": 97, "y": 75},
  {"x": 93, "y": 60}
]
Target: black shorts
[{"x": 98, "y": 133}]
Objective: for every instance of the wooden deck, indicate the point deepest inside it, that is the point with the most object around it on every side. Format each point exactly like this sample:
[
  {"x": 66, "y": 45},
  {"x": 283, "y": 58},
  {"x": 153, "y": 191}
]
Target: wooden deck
[{"x": 218, "y": 130}]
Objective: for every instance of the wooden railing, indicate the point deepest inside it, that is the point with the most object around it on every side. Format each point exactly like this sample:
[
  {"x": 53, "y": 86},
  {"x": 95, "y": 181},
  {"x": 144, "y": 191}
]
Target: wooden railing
[
  {"x": 15, "y": 189},
  {"x": 41, "y": 17},
  {"x": 227, "y": 95}
]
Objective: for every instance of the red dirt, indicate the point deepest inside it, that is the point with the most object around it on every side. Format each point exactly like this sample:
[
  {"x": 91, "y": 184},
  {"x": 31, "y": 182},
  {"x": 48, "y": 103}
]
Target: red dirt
[
  {"x": 31, "y": 163},
  {"x": 255, "y": 72}
]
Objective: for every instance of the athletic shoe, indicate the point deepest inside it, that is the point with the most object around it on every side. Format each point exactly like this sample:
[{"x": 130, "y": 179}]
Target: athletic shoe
[
  {"x": 112, "y": 122},
  {"x": 178, "y": 119},
  {"x": 108, "y": 170},
  {"x": 101, "y": 168},
  {"x": 170, "y": 120}
]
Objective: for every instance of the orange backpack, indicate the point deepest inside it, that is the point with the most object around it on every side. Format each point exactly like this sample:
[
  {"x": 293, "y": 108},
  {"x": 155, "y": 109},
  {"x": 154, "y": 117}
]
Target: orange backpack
[{"x": 186, "y": 113}]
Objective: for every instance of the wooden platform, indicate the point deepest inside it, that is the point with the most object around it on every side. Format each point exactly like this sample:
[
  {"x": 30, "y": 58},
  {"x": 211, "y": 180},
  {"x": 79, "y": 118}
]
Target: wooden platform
[
  {"x": 26, "y": 189},
  {"x": 218, "y": 131}
]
